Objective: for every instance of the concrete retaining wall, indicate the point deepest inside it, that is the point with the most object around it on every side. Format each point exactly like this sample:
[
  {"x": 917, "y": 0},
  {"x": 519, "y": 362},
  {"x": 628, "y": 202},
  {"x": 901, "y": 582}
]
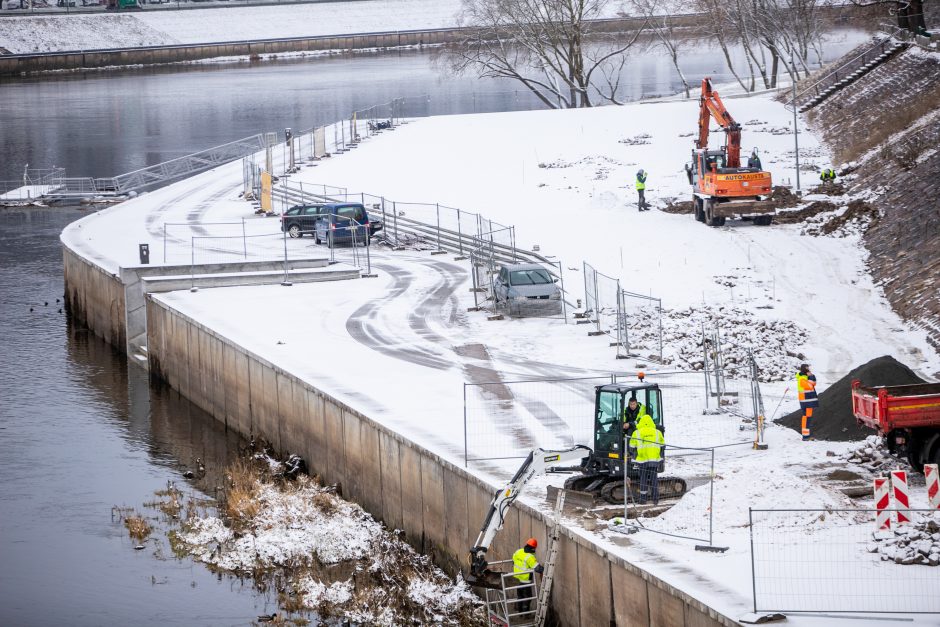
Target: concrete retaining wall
[
  {"x": 438, "y": 505},
  {"x": 95, "y": 298}
]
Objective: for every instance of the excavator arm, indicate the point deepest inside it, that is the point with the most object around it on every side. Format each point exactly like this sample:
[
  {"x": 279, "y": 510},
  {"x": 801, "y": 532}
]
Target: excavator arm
[
  {"x": 711, "y": 106},
  {"x": 537, "y": 463}
]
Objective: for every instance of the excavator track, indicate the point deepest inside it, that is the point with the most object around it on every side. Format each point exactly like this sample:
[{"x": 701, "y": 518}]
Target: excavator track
[{"x": 611, "y": 489}]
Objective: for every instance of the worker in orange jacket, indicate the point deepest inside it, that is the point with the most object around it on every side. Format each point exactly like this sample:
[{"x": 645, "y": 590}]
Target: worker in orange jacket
[{"x": 806, "y": 389}]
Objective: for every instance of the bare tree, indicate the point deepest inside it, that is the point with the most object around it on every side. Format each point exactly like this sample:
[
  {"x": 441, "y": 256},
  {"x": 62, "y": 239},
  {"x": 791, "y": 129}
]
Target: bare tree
[
  {"x": 910, "y": 13},
  {"x": 554, "y": 48},
  {"x": 665, "y": 31}
]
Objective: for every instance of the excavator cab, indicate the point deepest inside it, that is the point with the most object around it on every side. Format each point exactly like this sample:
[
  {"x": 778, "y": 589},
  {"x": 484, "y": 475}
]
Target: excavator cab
[
  {"x": 603, "y": 473},
  {"x": 612, "y": 430}
]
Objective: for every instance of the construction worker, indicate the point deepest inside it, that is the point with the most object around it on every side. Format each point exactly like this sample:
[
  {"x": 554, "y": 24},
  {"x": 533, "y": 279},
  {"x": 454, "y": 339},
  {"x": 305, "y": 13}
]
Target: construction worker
[
  {"x": 523, "y": 561},
  {"x": 648, "y": 442},
  {"x": 806, "y": 389},
  {"x": 753, "y": 161},
  {"x": 828, "y": 176},
  {"x": 632, "y": 414},
  {"x": 641, "y": 190}
]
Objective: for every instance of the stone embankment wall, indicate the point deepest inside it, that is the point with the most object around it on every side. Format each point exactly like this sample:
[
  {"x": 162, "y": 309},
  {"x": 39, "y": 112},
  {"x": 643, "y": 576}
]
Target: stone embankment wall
[
  {"x": 889, "y": 121},
  {"x": 438, "y": 505},
  {"x": 95, "y": 298}
]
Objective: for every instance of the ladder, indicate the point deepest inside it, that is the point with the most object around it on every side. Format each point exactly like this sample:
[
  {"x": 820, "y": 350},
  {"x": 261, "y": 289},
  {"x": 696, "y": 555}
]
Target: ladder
[{"x": 548, "y": 575}]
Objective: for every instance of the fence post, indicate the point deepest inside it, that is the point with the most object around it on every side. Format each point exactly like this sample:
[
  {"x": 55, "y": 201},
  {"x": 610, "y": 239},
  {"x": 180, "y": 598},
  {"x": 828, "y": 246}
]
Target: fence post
[
  {"x": 459, "y": 235},
  {"x": 286, "y": 282},
  {"x": 708, "y": 391},
  {"x": 750, "y": 528},
  {"x": 164, "y": 242},
  {"x": 564, "y": 305},
  {"x": 597, "y": 313},
  {"x": 437, "y": 207},
  {"x": 512, "y": 239},
  {"x": 466, "y": 454},
  {"x": 395, "y": 218},
  {"x": 659, "y": 309},
  {"x": 711, "y": 500},
  {"x": 245, "y": 239},
  {"x": 192, "y": 263}
]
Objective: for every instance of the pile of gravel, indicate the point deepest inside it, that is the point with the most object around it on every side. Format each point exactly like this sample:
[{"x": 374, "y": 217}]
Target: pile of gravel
[
  {"x": 833, "y": 419},
  {"x": 917, "y": 543}
]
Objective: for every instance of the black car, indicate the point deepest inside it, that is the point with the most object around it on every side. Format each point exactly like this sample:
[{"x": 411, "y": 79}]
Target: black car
[{"x": 301, "y": 219}]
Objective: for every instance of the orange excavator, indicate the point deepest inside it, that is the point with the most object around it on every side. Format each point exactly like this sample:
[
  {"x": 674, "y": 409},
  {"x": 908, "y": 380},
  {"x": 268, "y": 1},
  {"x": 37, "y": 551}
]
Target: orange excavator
[{"x": 721, "y": 187}]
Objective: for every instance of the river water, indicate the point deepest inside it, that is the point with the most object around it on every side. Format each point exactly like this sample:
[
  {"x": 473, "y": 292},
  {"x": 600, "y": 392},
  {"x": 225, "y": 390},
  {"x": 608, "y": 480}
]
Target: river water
[{"x": 81, "y": 432}]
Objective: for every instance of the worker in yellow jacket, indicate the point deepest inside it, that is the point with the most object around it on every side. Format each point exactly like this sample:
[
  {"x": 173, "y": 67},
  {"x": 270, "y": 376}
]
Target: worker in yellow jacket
[
  {"x": 648, "y": 441},
  {"x": 523, "y": 565},
  {"x": 806, "y": 391}
]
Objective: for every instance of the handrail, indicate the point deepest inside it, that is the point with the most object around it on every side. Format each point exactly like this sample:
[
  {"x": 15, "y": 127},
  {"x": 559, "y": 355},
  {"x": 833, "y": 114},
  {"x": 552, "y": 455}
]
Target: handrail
[{"x": 886, "y": 37}]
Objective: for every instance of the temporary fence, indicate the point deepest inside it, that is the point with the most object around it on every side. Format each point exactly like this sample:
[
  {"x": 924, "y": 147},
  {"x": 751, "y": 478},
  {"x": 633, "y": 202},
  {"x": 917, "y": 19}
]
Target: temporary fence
[
  {"x": 507, "y": 419},
  {"x": 632, "y": 321},
  {"x": 695, "y": 468},
  {"x": 833, "y": 560}
]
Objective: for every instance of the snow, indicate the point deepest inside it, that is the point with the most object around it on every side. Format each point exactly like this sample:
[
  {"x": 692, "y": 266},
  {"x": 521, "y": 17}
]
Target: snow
[{"x": 411, "y": 323}]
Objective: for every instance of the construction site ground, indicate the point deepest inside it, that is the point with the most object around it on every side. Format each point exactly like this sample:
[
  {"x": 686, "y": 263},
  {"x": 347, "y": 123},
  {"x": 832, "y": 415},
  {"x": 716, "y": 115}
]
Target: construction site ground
[{"x": 400, "y": 347}]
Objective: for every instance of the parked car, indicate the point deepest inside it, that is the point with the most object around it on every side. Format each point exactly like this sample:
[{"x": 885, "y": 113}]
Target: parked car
[
  {"x": 301, "y": 219},
  {"x": 523, "y": 282},
  {"x": 343, "y": 222}
]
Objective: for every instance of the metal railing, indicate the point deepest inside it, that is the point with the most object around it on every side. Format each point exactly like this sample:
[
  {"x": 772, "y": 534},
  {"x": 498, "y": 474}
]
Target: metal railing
[{"x": 818, "y": 87}]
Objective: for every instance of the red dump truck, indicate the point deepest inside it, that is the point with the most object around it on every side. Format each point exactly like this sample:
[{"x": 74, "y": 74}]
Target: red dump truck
[{"x": 907, "y": 415}]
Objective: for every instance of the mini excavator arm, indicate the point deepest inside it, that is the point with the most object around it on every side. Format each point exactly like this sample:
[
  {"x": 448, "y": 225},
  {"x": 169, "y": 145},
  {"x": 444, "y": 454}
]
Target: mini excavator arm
[{"x": 537, "y": 463}]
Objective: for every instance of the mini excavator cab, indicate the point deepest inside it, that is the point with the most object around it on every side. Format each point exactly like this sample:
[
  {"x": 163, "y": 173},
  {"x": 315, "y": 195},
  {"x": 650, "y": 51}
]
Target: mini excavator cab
[{"x": 611, "y": 432}]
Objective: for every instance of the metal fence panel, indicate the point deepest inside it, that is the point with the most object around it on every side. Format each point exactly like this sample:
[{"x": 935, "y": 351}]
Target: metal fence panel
[{"x": 831, "y": 561}]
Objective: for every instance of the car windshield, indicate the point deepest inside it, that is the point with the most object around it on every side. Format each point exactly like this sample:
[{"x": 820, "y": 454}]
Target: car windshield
[{"x": 536, "y": 276}]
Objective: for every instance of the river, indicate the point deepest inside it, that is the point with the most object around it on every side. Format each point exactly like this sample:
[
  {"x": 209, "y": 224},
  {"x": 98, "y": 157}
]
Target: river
[{"x": 81, "y": 431}]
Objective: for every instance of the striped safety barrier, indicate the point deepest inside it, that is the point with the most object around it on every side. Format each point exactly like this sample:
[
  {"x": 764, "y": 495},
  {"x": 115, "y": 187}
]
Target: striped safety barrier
[
  {"x": 932, "y": 475},
  {"x": 902, "y": 500},
  {"x": 882, "y": 502}
]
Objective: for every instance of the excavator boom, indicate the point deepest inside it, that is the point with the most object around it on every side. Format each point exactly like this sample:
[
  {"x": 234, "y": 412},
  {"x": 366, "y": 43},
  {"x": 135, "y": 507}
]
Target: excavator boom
[{"x": 711, "y": 106}]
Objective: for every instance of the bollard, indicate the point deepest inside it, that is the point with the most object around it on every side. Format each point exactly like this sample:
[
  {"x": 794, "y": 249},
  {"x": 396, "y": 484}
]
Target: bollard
[
  {"x": 882, "y": 502},
  {"x": 901, "y": 498},
  {"x": 932, "y": 476}
]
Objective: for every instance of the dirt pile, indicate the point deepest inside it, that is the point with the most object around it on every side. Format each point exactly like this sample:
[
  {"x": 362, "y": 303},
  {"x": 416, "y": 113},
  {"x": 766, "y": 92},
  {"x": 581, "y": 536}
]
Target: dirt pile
[{"x": 833, "y": 419}]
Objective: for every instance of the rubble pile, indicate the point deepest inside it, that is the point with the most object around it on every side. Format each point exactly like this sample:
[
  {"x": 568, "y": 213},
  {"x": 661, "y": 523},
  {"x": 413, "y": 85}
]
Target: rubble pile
[
  {"x": 912, "y": 544},
  {"x": 872, "y": 455},
  {"x": 774, "y": 342}
]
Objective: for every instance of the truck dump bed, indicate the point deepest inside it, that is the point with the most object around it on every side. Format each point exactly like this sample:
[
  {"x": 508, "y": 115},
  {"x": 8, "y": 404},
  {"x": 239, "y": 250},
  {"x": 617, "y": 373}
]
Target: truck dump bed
[{"x": 896, "y": 406}]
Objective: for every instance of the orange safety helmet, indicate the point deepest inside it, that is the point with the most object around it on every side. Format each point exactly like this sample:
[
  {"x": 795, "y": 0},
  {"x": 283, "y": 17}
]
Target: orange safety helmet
[{"x": 532, "y": 542}]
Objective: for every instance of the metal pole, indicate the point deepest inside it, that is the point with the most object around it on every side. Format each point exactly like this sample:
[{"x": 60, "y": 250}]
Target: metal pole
[
  {"x": 459, "y": 235},
  {"x": 245, "y": 239},
  {"x": 711, "y": 499},
  {"x": 796, "y": 131},
  {"x": 512, "y": 240},
  {"x": 192, "y": 263},
  {"x": 466, "y": 455},
  {"x": 437, "y": 207},
  {"x": 164, "y": 242},
  {"x": 564, "y": 305},
  {"x": 705, "y": 367},
  {"x": 750, "y": 527},
  {"x": 286, "y": 282},
  {"x": 395, "y": 218}
]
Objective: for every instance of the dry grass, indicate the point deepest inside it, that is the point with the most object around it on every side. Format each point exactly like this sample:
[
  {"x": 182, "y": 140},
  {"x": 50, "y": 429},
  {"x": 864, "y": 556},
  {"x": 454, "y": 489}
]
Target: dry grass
[
  {"x": 325, "y": 502},
  {"x": 241, "y": 498},
  {"x": 137, "y": 527}
]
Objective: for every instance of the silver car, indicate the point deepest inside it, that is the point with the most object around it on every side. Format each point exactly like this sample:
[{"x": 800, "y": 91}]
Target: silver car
[{"x": 523, "y": 282}]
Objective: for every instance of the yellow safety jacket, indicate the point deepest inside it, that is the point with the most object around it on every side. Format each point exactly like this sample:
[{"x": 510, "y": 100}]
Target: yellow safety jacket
[
  {"x": 640, "y": 182},
  {"x": 648, "y": 441},
  {"x": 522, "y": 561}
]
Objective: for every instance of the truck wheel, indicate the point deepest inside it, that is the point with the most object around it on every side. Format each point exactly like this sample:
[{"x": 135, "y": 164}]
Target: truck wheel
[
  {"x": 763, "y": 220},
  {"x": 697, "y": 207}
]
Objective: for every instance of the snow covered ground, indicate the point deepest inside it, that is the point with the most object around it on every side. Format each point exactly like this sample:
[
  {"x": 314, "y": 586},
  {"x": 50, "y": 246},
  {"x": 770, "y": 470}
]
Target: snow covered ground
[{"x": 410, "y": 332}]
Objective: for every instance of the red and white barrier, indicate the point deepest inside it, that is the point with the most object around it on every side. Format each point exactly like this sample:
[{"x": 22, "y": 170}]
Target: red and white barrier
[
  {"x": 882, "y": 502},
  {"x": 933, "y": 485},
  {"x": 902, "y": 500}
]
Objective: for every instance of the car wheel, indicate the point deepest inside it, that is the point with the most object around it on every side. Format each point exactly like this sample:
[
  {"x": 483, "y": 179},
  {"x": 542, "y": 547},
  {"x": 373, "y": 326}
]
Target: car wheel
[{"x": 294, "y": 231}]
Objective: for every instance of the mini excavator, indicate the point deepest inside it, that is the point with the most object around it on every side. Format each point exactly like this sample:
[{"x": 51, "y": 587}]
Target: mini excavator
[
  {"x": 600, "y": 471},
  {"x": 721, "y": 187}
]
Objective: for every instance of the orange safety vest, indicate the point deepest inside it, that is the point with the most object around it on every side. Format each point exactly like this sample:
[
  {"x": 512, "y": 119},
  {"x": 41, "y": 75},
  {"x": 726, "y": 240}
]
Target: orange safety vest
[{"x": 806, "y": 389}]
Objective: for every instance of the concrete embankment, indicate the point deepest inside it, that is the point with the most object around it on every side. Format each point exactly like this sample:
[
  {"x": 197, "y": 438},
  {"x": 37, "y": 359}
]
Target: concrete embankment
[{"x": 438, "y": 505}]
